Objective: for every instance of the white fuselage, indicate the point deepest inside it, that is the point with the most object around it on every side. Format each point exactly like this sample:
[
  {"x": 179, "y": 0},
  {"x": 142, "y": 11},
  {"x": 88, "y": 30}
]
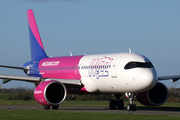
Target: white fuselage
[{"x": 106, "y": 73}]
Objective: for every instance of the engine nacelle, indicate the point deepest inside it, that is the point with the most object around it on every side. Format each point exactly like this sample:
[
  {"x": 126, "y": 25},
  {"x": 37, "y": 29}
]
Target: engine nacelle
[
  {"x": 158, "y": 95},
  {"x": 50, "y": 93}
]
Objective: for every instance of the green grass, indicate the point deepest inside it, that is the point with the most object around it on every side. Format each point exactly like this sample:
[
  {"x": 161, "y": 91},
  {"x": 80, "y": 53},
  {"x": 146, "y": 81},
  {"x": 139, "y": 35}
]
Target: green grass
[
  {"x": 106, "y": 103},
  {"x": 166, "y": 106},
  {"x": 18, "y": 102},
  {"x": 54, "y": 115},
  {"x": 5, "y": 96},
  {"x": 65, "y": 103},
  {"x": 86, "y": 103},
  {"x": 41, "y": 114}
]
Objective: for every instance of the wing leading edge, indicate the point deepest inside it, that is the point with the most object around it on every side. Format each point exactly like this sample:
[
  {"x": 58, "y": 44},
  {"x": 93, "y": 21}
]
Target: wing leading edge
[
  {"x": 7, "y": 78},
  {"x": 173, "y": 78}
]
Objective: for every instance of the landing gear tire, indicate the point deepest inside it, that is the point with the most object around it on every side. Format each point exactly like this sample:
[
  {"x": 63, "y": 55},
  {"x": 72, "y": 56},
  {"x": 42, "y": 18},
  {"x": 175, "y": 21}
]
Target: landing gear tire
[
  {"x": 55, "y": 107},
  {"x": 128, "y": 107},
  {"x": 46, "y": 107},
  {"x": 117, "y": 102},
  {"x": 131, "y": 107},
  {"x": 112, "y": 105},
  {"x": 120, "y": 105},
  {"x": 134, "y": 107}
]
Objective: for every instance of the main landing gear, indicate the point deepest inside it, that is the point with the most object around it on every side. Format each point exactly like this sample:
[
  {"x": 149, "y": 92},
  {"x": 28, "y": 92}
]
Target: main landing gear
[
  {"x": 54, "y": 107},
  {"x": 118, "y": 103},
  {"x": 131, "y": 106}
]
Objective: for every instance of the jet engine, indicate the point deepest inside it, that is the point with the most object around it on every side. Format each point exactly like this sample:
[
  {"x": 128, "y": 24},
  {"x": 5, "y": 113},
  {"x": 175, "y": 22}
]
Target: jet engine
[
  {"x": 50, "y": 93},
  {"x": 155, "y": 96}
]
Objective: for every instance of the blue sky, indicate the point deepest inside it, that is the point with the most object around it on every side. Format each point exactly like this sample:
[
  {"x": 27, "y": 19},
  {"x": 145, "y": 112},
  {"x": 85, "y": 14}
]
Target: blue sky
[{"x": 150, "y": 28}]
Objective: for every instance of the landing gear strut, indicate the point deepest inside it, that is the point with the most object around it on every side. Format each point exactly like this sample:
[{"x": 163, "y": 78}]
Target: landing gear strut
[
  {"x": 46, "y": 107},
  {"x": 131, "y": 106},
  {"x": 118, "y": 103},
  {"x": 54, "y": 107}
]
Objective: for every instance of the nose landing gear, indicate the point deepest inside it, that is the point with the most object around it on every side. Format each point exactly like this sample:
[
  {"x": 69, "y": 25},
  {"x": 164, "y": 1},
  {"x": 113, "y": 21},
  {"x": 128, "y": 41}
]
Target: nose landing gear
[{"x": 131, "y": 106}]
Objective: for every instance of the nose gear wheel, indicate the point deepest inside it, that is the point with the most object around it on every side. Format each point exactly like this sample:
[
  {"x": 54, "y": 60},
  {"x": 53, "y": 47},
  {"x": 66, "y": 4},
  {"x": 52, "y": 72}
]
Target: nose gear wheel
[{"x": 131, "y": 106}]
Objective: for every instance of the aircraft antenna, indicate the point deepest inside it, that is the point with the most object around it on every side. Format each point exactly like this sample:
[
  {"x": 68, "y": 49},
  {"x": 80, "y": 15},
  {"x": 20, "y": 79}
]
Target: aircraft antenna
[
  {"x": 129, "y": 50},
  {"x": 71, "y": 54}
]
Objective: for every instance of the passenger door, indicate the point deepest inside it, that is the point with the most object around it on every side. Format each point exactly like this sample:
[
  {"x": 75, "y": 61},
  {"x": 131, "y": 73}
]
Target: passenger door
[{"x": 114, "y": 67}]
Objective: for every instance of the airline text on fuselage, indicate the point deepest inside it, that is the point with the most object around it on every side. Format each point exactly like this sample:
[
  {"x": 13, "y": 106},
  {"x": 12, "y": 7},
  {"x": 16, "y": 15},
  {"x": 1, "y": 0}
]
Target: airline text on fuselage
[
  {"x": 52, "y": 63},
  {"x": 100, "y": 67}
]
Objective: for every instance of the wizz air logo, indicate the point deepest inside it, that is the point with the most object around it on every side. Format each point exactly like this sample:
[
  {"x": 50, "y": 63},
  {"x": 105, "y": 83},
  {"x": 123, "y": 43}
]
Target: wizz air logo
[
  {"x": 52, "y": 63},
  {"x": 99, "y": 67}
]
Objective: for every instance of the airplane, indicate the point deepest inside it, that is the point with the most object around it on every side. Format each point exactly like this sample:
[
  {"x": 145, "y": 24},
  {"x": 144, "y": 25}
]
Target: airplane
[{"x": 120, "y": 73}]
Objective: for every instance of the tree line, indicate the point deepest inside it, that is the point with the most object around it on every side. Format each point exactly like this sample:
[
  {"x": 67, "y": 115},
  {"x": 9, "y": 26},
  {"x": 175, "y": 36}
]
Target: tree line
[{"x": 27, "y": 94}]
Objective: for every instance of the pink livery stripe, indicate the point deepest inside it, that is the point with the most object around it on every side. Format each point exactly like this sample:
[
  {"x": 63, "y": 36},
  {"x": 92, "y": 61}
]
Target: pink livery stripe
[
  {"x": 60, "y": 67},
  {"x": 33, "y": 27}
]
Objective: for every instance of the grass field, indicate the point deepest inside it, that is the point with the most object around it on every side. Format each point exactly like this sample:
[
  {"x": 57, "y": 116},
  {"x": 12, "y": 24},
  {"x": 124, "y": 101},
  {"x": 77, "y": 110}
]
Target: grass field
[
  {"x": 5, "y": 96},
  {"x": 57, "y": 115},
  {"x": 38, "y": 114},
  {"x": 175, "y": 105}
]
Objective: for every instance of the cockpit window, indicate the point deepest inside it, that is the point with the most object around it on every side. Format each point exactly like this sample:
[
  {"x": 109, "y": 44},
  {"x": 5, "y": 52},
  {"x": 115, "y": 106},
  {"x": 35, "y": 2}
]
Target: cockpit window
[{"x": 131, "y": 65}]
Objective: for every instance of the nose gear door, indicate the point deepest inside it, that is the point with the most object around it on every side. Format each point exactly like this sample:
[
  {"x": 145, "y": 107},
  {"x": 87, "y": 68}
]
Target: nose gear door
[{"x": 114, "y": 67}]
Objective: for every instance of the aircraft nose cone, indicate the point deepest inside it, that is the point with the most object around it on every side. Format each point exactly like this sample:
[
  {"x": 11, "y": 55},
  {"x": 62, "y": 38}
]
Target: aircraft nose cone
[{"x": 149, "y": 78}]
